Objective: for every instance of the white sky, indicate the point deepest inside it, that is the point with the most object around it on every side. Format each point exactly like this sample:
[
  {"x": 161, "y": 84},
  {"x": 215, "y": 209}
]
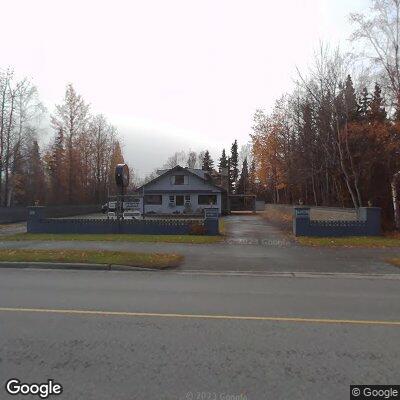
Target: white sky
[{"x": 170, "y": 74}]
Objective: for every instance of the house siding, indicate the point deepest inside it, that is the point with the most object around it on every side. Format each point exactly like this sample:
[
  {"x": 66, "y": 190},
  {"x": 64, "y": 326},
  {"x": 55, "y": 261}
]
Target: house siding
[{"x": 193, "y": 187}]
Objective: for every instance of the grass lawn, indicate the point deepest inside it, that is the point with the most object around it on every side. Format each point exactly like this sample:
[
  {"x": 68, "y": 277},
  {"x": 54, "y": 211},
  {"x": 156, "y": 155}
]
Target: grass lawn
[
  {"x": 152, "y": 260},
  {"x": 193, "y": 239},
  {"x": 394, "y": 261},
  {"x": 221, "y": 226},
  {"x": 389, "y": 240}
]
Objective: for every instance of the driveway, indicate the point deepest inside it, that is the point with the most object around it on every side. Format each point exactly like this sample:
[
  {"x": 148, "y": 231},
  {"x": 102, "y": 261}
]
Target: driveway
[
  {"x": 12, "y": 229},
  {"x": 251, "y": 229}
]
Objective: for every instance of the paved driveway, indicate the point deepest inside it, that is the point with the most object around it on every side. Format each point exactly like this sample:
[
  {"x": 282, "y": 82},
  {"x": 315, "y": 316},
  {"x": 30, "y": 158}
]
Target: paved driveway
[{"x": 252, "y": 229}]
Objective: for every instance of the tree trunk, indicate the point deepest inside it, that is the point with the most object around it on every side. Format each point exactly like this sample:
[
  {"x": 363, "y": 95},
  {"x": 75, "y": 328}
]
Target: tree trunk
[{"x": 395, "y": 198}]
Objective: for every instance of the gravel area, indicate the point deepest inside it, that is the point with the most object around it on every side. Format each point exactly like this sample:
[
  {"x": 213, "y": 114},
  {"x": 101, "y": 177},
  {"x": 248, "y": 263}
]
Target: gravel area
[
  {"x": 333, "y": 214},
  {"x": 317, "y": 213}
]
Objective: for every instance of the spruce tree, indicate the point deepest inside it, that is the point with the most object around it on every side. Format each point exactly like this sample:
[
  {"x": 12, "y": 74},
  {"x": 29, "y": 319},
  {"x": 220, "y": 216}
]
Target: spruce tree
[
  {"x": 243, "y": 183},
  {"x": 234, "y": 160},
  {"x": 352, "y": 108},
  {"x": 377, "y": 109},
  {"x": 56, "y": 166},
  {"x": 208, "y": 162},
  {"x": 223, "y": 161},
  {"x": 365, "y": 101}
]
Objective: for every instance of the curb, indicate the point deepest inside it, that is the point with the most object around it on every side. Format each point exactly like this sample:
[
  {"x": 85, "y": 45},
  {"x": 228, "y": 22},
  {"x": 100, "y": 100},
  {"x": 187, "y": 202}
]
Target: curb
[
  {"x": 71, "y": 266},
  {"x": 117, "y": 267},
  {"x": 291, "y": 274}
]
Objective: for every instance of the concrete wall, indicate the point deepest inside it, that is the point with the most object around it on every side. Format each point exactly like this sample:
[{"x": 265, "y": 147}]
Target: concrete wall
[
  {"x": 18, "y": 214},
  {"x": 38, "y": 223},
  {"x": 368, "y": 223}
]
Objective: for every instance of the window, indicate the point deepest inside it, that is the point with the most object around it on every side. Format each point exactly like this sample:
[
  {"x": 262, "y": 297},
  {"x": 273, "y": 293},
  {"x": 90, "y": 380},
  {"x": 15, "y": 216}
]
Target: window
[
  {"x": 179, "y": 200},
  {"x": 207, "y": 199},
  {"x": 154, "y": 199},
  {"x": 187, "y": 199},
  {"x": 179, "y": 179}
]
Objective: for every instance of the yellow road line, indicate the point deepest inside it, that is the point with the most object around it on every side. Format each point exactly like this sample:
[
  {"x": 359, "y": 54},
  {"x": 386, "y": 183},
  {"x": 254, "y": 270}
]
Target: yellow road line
[{"x": 200, "y": 316}]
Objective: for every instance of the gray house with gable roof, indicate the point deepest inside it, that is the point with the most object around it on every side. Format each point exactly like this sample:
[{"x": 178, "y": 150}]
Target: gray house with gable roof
[{"x": 180, "y": 190}]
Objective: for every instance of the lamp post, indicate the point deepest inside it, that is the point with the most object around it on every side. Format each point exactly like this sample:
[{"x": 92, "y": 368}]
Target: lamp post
[{"x": 122, "y": 181}]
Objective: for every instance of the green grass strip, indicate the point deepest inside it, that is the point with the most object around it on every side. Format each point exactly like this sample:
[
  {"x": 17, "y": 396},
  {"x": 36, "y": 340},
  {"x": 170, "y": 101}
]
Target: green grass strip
[
  {"x": 352, "y": 241},
  {"x": 146, "y": 260},
  {"x": 192, "y": 239}
]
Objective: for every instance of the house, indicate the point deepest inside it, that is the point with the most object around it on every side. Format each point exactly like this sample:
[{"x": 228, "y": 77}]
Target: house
[{"x": 179, "y": 190}]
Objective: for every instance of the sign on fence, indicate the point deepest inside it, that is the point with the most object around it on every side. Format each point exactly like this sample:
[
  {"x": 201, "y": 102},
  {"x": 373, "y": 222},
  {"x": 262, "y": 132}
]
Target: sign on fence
[
  {"x": 302, "y": 212},
  {"x": 211, "y": 213}
]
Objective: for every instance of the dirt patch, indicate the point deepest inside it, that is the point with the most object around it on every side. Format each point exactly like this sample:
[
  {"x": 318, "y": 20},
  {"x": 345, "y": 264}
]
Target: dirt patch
[{"x": 279, "y": 216}]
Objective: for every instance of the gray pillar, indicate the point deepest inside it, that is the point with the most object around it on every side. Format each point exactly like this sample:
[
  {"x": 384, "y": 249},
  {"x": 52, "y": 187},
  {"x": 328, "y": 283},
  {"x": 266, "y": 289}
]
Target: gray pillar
[
  {"x": 35, "y": 215},
  {"x": 301, "y": 221},
  {"x": 211, "y": 221},
  {"x": 372, "y": 217}
]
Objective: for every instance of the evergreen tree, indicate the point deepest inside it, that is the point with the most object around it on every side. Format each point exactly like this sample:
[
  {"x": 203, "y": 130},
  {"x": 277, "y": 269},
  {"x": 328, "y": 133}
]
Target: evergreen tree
[
  {"x": 365, "y": 101},
  {"x": 55, "y": 165},
  {"x": 234, "y": 160},
  {"x": 352, "y": 108},
  {"x": 223, "y": 161},
  {"x": 243, "y": 183},
  {"x": 377, "y": 109},
  {"x": 208, "y": 163}
]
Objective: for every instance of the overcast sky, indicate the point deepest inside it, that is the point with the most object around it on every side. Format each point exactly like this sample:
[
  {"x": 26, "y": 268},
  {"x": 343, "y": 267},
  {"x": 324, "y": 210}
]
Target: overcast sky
[{"x": 171, "y": 75}]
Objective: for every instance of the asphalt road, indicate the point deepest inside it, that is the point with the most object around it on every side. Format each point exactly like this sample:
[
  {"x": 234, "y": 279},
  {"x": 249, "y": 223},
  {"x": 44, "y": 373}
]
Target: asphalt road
[{"x": 168, "y": 335}]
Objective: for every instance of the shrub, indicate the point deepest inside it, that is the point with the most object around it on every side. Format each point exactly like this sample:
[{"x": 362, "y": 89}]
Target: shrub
[{"x": 197, "y": 229}]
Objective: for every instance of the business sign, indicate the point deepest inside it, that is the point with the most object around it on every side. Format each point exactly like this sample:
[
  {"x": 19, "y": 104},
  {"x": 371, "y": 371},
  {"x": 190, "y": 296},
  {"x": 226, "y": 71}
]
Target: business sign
[
  {"x": 211, "y": 213},
  {"x": 122, "y": 175},
  {"x": 302, "y": 212},
  {"x": 130, "y": 205}
]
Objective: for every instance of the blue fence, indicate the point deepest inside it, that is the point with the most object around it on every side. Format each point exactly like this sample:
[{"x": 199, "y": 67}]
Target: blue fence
[
  {"x": 367, "y": 224},
  {"x": 19, "y": 214},
  {"x": 38, "y": 223}
]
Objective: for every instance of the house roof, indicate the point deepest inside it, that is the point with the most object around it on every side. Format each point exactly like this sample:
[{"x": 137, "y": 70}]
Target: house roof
[{"x": 195, "y": 172}]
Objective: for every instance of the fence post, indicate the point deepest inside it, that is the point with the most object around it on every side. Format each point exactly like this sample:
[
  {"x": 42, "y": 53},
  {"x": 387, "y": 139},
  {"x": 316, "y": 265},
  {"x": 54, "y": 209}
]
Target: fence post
[
  {"x": 35, "y": 214},
  {"x": 301, "y": 221},
  {"x": 211, "y": 221},
  {"x": 372, "y": 217}
]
